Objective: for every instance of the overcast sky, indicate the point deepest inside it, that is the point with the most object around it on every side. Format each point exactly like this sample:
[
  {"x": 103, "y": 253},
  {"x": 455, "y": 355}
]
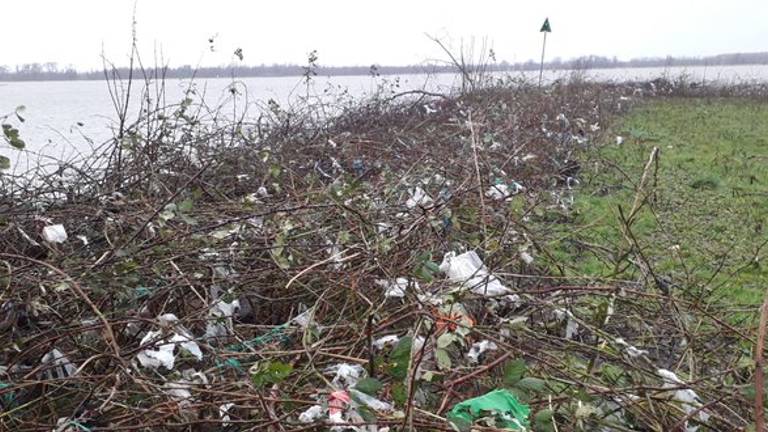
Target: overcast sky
[{"x": 357, "y": 32}]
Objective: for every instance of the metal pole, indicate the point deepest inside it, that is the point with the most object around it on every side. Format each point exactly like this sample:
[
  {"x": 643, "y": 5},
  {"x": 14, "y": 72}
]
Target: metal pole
[{"x": 543, "y": 48}]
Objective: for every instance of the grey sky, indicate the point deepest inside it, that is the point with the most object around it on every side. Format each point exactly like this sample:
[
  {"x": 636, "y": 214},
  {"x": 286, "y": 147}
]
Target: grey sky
[{"x": 355, "y": 32}]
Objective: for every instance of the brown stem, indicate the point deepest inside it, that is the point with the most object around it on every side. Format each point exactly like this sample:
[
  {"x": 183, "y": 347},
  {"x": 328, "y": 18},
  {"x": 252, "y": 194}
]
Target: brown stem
[{"x": 759, "y": 363}]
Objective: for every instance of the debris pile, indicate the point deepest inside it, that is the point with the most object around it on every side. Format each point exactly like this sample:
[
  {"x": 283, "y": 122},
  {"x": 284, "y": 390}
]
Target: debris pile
[{"x": 375, "y": 271}]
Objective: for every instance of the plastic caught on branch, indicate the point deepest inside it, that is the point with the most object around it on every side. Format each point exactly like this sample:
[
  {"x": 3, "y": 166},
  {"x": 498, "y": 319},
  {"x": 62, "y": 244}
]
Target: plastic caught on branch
[
  {"x": 500, "y": 192},
  {"x": 55, "y": 234},
  {"x": 478, "y": 348},
  {"x": 57, "y": 365},
  {"x": 347, "y": 375},
  {"x": 220, "y": 318},
  {"x": 311, "y": 414},
  {"x": 688, "y": 398},
  {"x": 383, "y": 341},
  {"x": 397, "y": 287},
  {"x": 418, "y": 198},
  {"x": 163, "y": 352},
  {"x": 469, "y": 271}
]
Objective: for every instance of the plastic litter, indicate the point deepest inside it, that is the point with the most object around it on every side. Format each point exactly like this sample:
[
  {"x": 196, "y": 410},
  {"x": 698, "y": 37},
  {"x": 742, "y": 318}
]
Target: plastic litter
[
  {"x": 418, "y": 198},
  {"x": 347, "y": 375},
  {"x": 163, "y": 352},
  {"x": 224, "y": 413},
  {"x": 55, "y": 234},
  {"x": 57, "y": 365},
  {"x": 370, "y": 401},
  {"x": 179, "y": 391},
  {"x": 337, "y": 401},
  {"x": 220, "y": 318},
  {"x": 303, "y": 319},
  {"x": 631, "y": 350},
  {"x": 468, "y": 270},
  {"x": 311, "y": 414},
  {"x": 688, "y": 398},
  {"x": 499, "y": 192},
  {"x": 526, "y": 257},
  {"x": 383, "y": 341},
  {"x": 571, "y": 326},
  {"x": 154, "y": 358},
  {"x": 619, "y": 140},
  {"x": 64, "y": 424},
  {"x": 500, "y": 404},
  {"x": 478, "y": 348},
  {"x": 397, "y": 287}
]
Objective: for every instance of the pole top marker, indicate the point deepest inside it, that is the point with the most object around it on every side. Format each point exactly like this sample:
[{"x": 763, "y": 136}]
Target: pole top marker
[{"x": 545, "y": 28}]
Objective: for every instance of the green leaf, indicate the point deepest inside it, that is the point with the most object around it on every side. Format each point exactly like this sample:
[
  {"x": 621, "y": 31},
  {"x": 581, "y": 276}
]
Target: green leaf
[
  {"x": 12, "y": 135},
  {"x": 401, "y": 358},
  {"x": 532, "y": 384},
  {"x": 185, "y": 205},
  {"x": 275, "y": 170},
  {"x": 399, "y": 394},
  {"x": 443, "y": 359},
  {"x": 614, "y": 375},
  {"x": 19, "y": 144},
  {"x": 5, "y": 163},
  {"x": 543, "y": 422},
  {"x": 369, "y": 386},
  {"x": 514, "y": 371},
  {"x": 432, "y": 266},
  {"x": 446, "y": 339},
  {"x": 271, "y": 372},
  {"x": 367, "y": 414}
]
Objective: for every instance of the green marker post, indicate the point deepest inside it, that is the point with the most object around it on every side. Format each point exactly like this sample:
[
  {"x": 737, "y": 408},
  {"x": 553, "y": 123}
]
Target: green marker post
[{"x": 545, "y": 28}]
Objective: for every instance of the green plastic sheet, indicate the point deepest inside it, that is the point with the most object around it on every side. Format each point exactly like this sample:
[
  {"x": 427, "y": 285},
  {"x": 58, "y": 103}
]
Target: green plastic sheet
[{"x": 502, "y": 405}]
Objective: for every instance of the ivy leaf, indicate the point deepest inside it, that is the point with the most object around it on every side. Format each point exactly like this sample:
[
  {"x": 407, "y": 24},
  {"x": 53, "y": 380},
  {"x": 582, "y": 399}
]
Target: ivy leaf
[
  {"x": 271, "y": 372},
  {"x": 5, "y": 163},
  {"x": 514, "y": 371},
  {"x": 369, "y": 386}
]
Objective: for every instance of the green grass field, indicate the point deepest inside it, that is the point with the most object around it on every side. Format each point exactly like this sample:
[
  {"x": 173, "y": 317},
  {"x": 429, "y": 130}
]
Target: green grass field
[{"x": 706, "y": 231}]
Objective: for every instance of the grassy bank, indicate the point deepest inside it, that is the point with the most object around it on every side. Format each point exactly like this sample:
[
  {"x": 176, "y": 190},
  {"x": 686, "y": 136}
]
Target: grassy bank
[{"x": 706, "y": 228}]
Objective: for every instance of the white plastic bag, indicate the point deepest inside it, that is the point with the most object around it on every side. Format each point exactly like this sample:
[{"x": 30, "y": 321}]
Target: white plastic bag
[
  {"x": 55, "y": 233},
  {"x": 347, "y": 375},
  {"x": 418, "y": 198},
  {"x": 395, "y": 288},
  {"x": 468, "y": 270},
  {"x": 688, "y": 398}
]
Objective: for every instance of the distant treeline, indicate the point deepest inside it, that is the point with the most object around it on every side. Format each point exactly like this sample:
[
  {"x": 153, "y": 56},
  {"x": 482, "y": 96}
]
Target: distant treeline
[{"x": 52, "y": 71}]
